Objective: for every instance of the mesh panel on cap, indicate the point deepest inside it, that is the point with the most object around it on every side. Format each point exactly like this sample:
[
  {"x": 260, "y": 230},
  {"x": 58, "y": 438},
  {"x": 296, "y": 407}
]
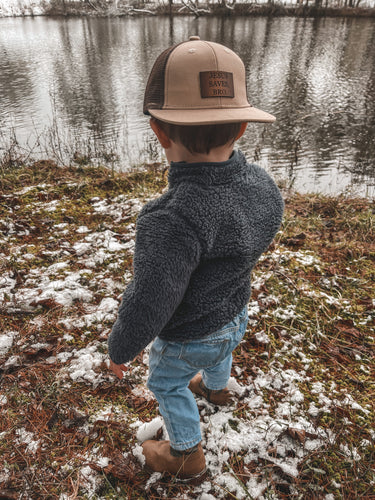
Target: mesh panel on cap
[{"x": 154, "y": 93}]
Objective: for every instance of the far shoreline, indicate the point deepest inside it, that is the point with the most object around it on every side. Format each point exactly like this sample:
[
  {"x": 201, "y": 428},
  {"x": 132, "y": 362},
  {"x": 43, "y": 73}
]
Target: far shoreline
[{"x": 178, "y": 10}]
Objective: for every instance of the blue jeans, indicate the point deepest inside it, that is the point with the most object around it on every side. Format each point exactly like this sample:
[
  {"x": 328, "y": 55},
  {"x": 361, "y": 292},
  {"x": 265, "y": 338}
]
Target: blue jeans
[{"x": 174, "y": 364}]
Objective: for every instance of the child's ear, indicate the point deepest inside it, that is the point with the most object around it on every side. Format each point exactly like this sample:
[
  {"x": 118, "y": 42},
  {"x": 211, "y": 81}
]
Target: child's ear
[
  {"x": 160, "y": 134},
  {"x": 242, "y": 130}
]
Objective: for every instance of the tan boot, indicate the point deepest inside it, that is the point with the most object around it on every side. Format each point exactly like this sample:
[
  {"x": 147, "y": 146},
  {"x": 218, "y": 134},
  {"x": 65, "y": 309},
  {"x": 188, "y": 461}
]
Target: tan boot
[
  {"x": 187, "y": 466},
  {"x": 220, "y": 398}
]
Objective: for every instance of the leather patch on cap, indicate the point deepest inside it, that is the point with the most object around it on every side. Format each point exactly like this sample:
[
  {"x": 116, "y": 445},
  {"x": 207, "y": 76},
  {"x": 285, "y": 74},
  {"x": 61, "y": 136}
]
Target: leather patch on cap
[{"x": 216, "y": 84}]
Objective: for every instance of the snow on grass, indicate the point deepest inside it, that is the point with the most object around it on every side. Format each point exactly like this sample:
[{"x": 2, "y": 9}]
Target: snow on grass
[
  {"x": 106, "y": 311},
  {"x": 263, "y": 436},
  {"x": 63, "y": 292},
  {"x": 148, "y": 430},
  {"x": 255, "y": 438},
  {"x": 85, "y": 364},
  {"x": 118, "y": 208},
  {"x": 26, "y": 437},
  {"x": 7, "y": 284},
  {"x": 137, "y": 451},
  {"x": 285, "y": 313},
  {"x": 262, "y": 337},
  {"x": 6, "y": 342},
  {"x": 60, "y": 290},
  {"x": 98, "y": 247},
  {"x": 90, "y": 480}
]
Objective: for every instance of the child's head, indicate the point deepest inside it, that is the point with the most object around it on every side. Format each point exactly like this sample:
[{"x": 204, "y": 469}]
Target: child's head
[
  {"x": 201, "y": 139},
  {"x": 196, "y": 92}
]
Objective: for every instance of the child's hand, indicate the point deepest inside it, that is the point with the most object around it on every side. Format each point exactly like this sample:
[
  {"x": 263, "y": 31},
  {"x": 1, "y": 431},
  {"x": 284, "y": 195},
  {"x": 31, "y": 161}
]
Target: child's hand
[{"x": 117, "y": 369}]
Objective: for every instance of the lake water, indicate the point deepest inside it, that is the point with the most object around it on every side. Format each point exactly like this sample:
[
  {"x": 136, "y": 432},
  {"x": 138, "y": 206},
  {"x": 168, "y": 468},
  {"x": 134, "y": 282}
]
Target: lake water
[{"x": 78, "y": 83}]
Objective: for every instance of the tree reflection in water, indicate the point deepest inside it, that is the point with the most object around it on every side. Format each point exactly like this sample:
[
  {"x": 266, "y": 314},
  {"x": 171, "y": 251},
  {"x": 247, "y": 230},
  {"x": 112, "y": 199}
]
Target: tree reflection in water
[{"x": 86, "y": 78}]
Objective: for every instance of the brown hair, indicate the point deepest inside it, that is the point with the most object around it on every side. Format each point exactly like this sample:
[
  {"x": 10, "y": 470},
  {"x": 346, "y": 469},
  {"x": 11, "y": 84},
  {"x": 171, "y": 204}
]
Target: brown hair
[{"x": 201, "y": 138}]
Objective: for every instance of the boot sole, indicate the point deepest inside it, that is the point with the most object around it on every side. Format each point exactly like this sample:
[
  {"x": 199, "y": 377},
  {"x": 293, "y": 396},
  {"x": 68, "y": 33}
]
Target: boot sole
[{"x": 194, "y": 480}]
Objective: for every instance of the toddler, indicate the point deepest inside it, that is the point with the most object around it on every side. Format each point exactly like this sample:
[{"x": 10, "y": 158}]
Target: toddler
[{"x": 195, "y": 246}]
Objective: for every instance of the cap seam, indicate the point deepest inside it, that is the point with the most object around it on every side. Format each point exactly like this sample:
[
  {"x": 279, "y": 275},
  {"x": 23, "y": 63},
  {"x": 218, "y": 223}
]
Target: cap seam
[
  {"x": 171, "y": 55},
  {"x": 215, "y": 57},
  {"x": 166, "y": 82}
]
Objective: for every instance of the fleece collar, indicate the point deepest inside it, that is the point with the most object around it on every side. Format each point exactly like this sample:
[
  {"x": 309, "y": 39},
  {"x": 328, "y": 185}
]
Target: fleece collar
[{"x": 224, "y": 172}]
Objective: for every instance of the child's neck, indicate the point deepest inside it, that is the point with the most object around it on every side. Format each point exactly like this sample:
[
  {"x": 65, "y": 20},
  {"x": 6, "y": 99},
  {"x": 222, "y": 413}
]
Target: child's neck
[{"x": 178, "y": 153}]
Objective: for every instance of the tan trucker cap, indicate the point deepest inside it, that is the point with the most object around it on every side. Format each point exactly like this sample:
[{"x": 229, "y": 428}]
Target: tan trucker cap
[{"x": 199, "y": 83}]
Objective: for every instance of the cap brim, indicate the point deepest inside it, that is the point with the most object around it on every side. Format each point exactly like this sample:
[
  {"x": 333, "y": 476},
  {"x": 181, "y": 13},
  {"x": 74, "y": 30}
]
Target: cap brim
[{"x": 211, "y": 116}]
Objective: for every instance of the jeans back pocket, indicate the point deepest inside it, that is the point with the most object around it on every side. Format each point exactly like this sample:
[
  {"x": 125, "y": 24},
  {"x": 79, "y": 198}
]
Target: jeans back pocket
[{"x": 205, "y": 353}]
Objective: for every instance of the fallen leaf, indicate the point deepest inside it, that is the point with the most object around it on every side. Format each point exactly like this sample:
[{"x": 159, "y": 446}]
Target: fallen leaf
[
  {"x": 123, "y": 468},
  {"x": 8, "y": 495},
  {"x": 298, "y": 434},
  {"x": 347, "y": 326}
]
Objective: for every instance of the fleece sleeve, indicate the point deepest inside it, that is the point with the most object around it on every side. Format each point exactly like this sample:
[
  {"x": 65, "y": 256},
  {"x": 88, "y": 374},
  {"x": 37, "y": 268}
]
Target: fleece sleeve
[{"x": 166, "y": 253}]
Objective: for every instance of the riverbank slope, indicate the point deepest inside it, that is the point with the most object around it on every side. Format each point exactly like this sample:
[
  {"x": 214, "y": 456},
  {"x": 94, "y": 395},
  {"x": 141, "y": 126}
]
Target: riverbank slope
[{"x": 304, "y": 375}]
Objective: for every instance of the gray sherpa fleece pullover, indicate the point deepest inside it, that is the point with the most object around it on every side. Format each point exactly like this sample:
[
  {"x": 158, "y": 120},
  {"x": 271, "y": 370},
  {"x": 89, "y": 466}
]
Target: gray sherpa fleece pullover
[{"x": 195, "y": 248}]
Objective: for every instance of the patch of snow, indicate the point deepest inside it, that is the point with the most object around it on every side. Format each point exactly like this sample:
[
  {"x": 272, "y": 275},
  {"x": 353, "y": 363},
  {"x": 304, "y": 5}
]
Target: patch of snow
[
  {"x": 137, "y": 451},
  {"x": 285, "y": 313},
  {"x": 64, "y": 356},
  {"x": 64, "y": 291},
  {"x": 102, "y": 462},
  {"x": 7, "y": 285},
  {"x": 6, "y": 342},
  {"x": 28, "y": 188},
  {"x": 270, "y": 300},
  {"x": 82, "y": 229},
  {"x": 85, "y": 361},
  {"x": 253, "y": 308},
  {"x": 55, "y": 268},
  {"x": 107, "y": 413},
  {"x": 232, "y": 484},
  {"x": 313, "y": 410},
  {"x": 154, "y": 478},
  {"x": 306, "y": 259},
  {"x": 235, "y": 387},
  {"x": 90, "y": 480},
  {"x": 81, "y": 248},
  {"x": 25, "y": 437},
  {"x": 118, "y": 208},
  {"x": 258, "y": 281},
  {"x": 106, "y": 311},
  {"x": 4, "y": 474},
  {"x": 349, "y": 401},
  {"x": 62, "y": 225},
  {"x": 256, "y": 488},
  {"x": 13, "y": 361},
  {"x": 206, "y": 496},
  {"x": 351, "y": 453},
  {"x": 142, "y": 392},
  {"x": 317, "y": 388},
  {"x": 38, "y": 321},
  {"x": 148, "y": 430},
  {"x": 262, "y": 337},
  {"x": 51, "y": 206}
]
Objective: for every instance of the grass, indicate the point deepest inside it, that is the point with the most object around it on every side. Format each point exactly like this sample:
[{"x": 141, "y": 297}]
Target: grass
[{"x": 311, "y": 335}]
